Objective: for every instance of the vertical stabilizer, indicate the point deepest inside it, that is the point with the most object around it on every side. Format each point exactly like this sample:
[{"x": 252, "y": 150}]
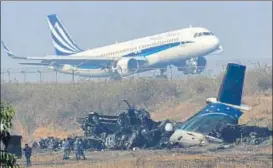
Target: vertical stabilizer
[
  {"x": 63, "y": 43},
  {"x": 231, "y": 89}
]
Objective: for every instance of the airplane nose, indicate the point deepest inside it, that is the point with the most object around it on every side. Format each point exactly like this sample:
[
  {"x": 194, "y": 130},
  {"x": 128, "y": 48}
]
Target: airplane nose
[{"x": 215, "y": 42}]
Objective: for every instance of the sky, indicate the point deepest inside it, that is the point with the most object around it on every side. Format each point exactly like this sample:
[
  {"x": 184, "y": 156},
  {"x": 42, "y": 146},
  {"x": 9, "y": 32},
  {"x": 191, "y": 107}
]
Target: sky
[{"x": 244, "y": 28}]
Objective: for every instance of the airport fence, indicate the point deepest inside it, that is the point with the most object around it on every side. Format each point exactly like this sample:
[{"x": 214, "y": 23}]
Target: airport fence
[{"x": 44, "y": 75}]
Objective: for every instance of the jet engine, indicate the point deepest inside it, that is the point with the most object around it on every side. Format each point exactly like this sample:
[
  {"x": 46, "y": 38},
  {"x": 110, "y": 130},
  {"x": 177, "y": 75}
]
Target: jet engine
[
  {"x": 126, "y": 66},
  {"x": 67, "y": 67},
  {"x": 192, "y": 66},
  {"x": 62, "y": 68}
]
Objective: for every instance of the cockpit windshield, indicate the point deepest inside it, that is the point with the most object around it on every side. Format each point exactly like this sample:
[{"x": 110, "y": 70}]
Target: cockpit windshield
[{"x": 203, "y": 34}]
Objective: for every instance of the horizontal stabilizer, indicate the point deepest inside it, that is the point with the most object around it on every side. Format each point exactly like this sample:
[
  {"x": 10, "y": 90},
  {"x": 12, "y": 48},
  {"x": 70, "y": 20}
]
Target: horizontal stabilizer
[{"x": 241, "y": 107}]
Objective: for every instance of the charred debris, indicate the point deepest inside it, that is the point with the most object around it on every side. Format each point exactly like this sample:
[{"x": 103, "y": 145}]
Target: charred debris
[{"x": 134, "y": 129}]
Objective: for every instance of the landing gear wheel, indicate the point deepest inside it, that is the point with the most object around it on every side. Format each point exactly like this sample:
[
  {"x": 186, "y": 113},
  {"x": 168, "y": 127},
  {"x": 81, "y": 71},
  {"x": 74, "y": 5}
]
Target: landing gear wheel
[
  {"x": 162, "y": 71},
  {"x": 185, "y": 72},
  {"x": 161, "y": 77},
  {"x": 116, "y": 78},
  {"x": 190, "y": 70}
]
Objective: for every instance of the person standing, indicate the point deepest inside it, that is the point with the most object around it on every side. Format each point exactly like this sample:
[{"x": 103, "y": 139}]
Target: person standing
[
  {"x": 79, "y": 151},
  {"x": 66, "y": 149},
  {"x": 28, "y": 152}
]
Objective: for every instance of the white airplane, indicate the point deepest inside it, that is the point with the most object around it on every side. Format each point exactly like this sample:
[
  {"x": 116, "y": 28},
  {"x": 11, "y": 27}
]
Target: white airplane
[{"x": 183, "y": 48}]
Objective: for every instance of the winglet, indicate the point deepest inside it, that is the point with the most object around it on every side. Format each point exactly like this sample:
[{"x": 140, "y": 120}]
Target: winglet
[
  {"x": 6, "y": 49},
  {"x": 9, "y": 52}
]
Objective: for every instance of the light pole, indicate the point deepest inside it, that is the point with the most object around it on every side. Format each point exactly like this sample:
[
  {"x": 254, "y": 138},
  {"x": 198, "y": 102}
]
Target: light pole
[
  {"x": 40, "y": 73},
  {"x": 73, "y": 75},
  {"x": 171, "y": 72},
  {"x": 8, "y": 71},
  {"x": 223, "y": 67},
  {"x": 56, "y": 76},
  {"x": 90, "y": 75},
  {"x": 24, "y": 73}
]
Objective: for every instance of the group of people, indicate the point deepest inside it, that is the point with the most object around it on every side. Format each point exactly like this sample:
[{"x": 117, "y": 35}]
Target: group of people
[
  {"x": 68, "y": 146},
  {"x": 78, "y": 148}
]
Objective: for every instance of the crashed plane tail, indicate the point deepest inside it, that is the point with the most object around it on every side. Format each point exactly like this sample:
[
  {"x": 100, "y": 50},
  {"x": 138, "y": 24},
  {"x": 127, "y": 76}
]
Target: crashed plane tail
[{"x": 226, "y": 108}]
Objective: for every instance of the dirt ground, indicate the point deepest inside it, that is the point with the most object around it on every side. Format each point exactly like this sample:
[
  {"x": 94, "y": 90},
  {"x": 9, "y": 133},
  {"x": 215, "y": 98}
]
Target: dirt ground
[{"x": 237, "y": 156}]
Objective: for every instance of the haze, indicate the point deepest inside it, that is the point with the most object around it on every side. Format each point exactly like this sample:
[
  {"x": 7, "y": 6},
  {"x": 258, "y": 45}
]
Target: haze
[{"x": 244, "y": 28}]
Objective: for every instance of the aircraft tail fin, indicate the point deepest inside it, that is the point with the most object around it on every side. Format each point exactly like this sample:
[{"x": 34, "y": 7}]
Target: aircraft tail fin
[
  {"x": 62, "y": 41},
  {"x": 231, "y": 89}
]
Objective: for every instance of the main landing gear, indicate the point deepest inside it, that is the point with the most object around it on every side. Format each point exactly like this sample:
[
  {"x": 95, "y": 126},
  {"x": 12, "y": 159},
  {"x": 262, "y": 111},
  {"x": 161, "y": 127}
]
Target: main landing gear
[
  {"x": 116, "y": 78},
  {"x": 162, "y": 76}
]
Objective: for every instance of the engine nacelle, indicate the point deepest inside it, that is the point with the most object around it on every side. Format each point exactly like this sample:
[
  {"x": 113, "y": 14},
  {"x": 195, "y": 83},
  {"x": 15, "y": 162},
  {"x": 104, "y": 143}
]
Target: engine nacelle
[
  {"x": 67, "y": 67},
  {"x": 62, "y": 68},
  {"x": 126, "y": 66},
  {"x": 192, "y": 66}
]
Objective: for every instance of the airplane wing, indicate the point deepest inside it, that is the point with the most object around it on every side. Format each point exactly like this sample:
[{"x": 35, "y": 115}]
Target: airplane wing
[
  {"x": 39, "y": 64},
  {"x": 67, "y": 58},
  {"x": 78, "y": 58}
]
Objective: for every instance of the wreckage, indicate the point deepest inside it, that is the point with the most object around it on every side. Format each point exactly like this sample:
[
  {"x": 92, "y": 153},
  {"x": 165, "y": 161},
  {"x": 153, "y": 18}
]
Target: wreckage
[
  {"x": 126, "y": 131},
  {"x": 132, "y": 128},
  {"x": 216, "y": 123}
]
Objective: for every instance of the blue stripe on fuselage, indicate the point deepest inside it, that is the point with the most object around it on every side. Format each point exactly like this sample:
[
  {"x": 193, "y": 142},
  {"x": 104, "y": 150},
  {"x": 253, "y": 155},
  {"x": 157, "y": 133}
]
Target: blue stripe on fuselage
[{"x": 149, "y": 51}]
